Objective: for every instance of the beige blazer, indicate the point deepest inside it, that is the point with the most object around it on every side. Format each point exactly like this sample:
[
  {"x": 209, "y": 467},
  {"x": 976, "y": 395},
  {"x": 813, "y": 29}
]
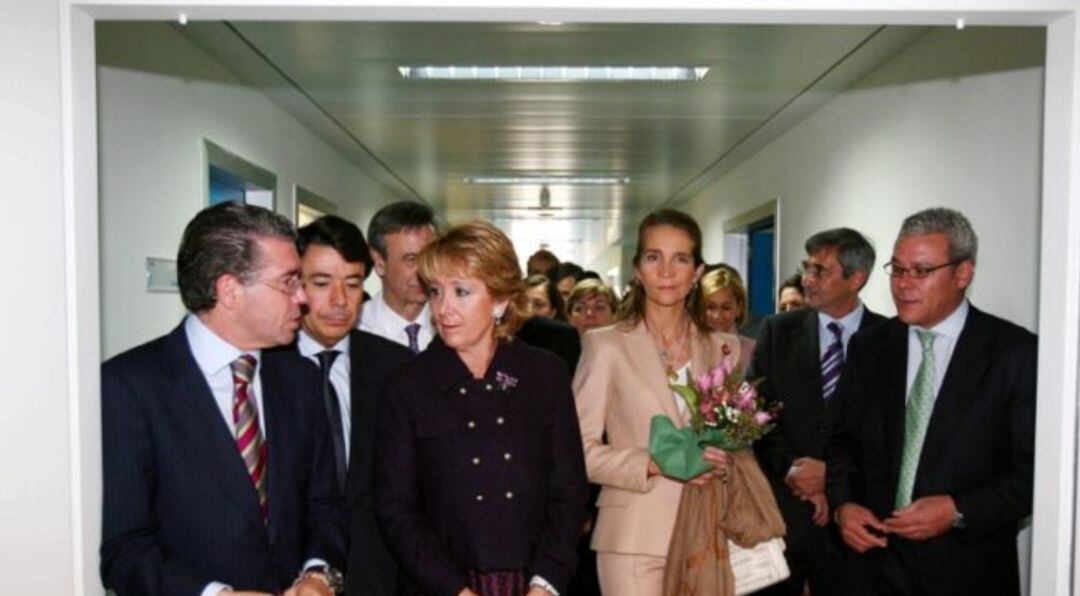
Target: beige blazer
[{"x": 619, "y": 386}]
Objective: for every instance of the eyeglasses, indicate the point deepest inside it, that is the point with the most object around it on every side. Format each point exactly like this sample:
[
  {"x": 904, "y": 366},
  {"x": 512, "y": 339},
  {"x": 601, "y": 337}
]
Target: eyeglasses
[
  {"x": 288, "y": 286},
  {"x": 915, "y": 271},
  {"x": 581, "y": 308},
  {"x": 808, "y": 269}
]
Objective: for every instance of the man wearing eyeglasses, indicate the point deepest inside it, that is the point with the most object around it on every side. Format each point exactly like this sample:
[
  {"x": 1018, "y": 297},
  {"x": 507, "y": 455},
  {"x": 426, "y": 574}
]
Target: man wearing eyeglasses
[
  {"x": 931, "y": 454},
  {"x": 799, "y": 355},
  {"x": 218, "y": 469}
]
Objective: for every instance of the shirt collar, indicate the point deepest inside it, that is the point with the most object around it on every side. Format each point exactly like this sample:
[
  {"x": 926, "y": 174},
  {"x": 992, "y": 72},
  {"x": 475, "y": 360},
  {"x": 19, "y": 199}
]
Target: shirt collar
[
  {"x": 211, "y": 352},
  {"x": 389, "y": 322},
  {"x": 951, "y": 326},
  {"x": 310, "y": 348},
  {"x": 850, "y": 322}
]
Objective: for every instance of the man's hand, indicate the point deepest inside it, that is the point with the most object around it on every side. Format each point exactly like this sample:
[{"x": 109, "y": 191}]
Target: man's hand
[
  {"x": 858, "y": 526},
  {"x": 925, "y": 518},
  {"x": 806, "y": 477},
  {"x": 821, "y": 509},
  {"x": 309, "y": 586},
  {"x": 467, "y": 592}
]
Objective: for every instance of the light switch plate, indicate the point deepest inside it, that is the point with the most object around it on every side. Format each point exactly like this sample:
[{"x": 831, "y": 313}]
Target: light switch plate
[{"x": 161, "y": 275}]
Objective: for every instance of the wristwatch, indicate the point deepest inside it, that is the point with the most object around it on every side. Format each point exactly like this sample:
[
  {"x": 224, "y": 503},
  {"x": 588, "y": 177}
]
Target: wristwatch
[{"x": 333, "y": 578}]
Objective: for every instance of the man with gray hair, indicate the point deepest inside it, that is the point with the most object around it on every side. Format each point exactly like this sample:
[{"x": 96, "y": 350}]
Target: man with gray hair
[
  {"x": 799, "y": 356},
  {"x": 931, "y": 452},
  {"x": 218, "y": 469}
]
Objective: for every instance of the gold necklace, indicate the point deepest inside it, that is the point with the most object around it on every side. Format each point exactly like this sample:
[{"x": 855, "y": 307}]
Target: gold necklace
[{"x": 667, "y": 357}]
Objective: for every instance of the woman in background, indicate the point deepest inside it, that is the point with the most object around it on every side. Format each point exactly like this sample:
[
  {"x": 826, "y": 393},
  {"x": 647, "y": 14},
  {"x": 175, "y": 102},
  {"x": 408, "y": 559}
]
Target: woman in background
[
  {"x": 591, "y": 305},
  {"x": 480, "y": 483},
  {"x": 544, "y": 298},
  {"x": 790, "y": 296},
  {"x": 660, "y": 337},
  {"x": 725, "y": 308}
]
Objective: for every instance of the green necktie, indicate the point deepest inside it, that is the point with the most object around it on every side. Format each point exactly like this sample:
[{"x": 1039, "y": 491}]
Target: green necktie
[{"x": 920, "y": 404}]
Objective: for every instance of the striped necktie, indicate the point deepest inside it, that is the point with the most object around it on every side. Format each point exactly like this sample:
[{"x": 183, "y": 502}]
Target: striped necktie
[
  {"x": 920, "y": 404},
  {"x": 413, "y": 331},
  {"x": 249, "y": 439},
  {"x": 832, "y": 361}
]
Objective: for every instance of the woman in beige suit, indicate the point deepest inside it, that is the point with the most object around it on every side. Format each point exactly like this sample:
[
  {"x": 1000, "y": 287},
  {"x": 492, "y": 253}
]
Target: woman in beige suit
[{"x": 660, "y": 337}]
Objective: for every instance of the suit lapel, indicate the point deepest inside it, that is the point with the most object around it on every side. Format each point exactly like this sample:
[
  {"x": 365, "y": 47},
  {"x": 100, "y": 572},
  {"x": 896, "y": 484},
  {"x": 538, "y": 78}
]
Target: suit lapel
[
  {"x": 275, "y": 417},
  {"x": 811, "y": 344},
  {"x": 194, "y": 411},
  {"x": 966, "y": 367},
  {"x": 646, "y": 359},
  {"x": 362, "y": 401},
  {"x": 893, "y": 384}
]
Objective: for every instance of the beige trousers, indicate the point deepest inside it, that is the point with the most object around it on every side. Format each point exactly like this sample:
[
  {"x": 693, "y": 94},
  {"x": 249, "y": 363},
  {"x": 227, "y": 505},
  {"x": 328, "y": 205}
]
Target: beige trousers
[{"x": 630, "y": 575}]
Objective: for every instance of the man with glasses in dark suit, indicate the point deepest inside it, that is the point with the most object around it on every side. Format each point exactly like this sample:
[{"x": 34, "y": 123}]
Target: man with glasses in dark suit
[
  {"x": 799, "y": 355},
  {"x": 218, "y": 470}
]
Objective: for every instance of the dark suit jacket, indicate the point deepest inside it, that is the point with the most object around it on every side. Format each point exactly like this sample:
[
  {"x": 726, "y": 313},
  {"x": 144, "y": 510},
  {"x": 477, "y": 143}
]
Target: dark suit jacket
[
  {"x": 180, "y": 510},
  {"x": 372, "y": 569},
  {"x": 557, "y": 337},
  {"x": 788, "y": 357},
  {"x": 978, "y": 448},
  {"x": 481, "y": 474}
]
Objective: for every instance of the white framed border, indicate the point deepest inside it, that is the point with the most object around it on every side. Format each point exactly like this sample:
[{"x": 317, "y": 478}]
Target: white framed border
[{"x": 1053, "y": 556}]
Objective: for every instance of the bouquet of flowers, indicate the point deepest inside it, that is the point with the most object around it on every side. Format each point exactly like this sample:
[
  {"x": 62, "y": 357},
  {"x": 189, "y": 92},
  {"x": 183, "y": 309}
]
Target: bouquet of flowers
[
  {"x": 725, "y": 411},
  {"x": 728, "y": 534}
]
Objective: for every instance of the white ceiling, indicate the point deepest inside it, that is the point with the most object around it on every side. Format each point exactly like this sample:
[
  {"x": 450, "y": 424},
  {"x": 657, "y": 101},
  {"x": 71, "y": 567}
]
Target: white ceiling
[{"x": 423, "y": 138}]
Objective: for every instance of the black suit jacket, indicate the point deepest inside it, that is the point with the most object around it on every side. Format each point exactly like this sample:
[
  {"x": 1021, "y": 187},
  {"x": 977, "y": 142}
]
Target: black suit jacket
[
  {"x": 788, "y": 358},
  {"x": 481, "y": 474},
  {"x": 557, "y": 337},
  {"x": 978, "y": 448},
  {"x": 372, "y": 569},
  {"x": 180, "y": 510}
]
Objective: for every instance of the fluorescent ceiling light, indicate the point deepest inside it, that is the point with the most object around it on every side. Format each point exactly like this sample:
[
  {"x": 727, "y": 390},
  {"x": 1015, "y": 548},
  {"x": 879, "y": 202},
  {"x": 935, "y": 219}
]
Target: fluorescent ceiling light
[
  {"x": 549, "y": 180},
  {"x": 555, "y": 73}
]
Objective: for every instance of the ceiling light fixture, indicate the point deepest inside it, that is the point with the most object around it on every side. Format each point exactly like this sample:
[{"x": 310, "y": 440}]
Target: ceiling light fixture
[
  {"x": 549, "y": 180},
  {"x": 602, "y": 74}
]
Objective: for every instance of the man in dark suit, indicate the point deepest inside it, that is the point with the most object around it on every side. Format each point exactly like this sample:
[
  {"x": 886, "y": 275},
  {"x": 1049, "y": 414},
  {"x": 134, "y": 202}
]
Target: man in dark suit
[
  {"x": 217, "y": 466},
  {"x": 354, "y": 365},
  {"x": 799, "y": 355},
  {"x": 931, "y": 453}
]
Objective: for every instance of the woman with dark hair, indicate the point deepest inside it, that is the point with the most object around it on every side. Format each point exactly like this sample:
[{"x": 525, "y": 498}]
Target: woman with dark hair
[
  {"x": 661, "y": 336},
  {"x": 790, "y": 296},
  {"x": 479, "y": 475},
  {"x": 544, "y": 298}
]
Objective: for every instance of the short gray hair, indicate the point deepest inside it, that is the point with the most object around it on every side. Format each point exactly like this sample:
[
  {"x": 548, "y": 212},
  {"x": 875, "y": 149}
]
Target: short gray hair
[
  {"x": 853, "y": 250},
  {"x": 963, "y": 243}
]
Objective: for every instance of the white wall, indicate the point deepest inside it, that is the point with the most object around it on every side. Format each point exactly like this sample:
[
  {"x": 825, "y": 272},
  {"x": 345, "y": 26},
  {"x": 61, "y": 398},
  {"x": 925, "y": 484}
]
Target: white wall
[
  {"x": 954, "y": 120},
  {"x": 37, "y": 532},
  {"x": 159, "y": 97}
]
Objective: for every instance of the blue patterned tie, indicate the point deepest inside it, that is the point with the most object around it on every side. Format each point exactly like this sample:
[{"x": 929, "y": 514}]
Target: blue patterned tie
[
  {"x": 920, "y": 404},
  {"x": 832, "y": 361},
  {"x": 413, "y": 331}
]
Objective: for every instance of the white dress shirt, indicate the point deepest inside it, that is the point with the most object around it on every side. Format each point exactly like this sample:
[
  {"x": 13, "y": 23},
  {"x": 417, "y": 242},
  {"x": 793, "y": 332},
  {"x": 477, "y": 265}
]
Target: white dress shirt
[
  {"x": 945, "y": 335},
  {"x": 213, "y": 355},
  {"x": 339, "y": 377},
  {"x": 849, "y": 323},
  {"x": 377, "y": 317}
]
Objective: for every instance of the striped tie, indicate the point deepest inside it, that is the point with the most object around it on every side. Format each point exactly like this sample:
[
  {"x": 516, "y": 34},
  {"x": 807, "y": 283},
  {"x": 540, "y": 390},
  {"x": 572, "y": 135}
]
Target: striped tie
[
  {"x": 413, "y": 331},
  {"x": 249, "y": 440},
  {"x": 832, "y": 361}
]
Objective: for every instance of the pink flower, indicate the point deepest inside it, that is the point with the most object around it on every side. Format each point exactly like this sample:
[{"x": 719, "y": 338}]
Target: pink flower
[
  {"x": 747, "y": 396},
  {"x": 704, "y": 382},
  {"x": 721, "y": 372},
  {"x": 762, "y": 418}
]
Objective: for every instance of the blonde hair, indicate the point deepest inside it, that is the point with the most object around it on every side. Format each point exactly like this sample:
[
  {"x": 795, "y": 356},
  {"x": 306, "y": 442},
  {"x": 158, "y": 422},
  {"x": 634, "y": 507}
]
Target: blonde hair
[
  {"x": 587, "y": 288},
  {"x": 481, "y": 250},
  {"x": 722, "y": 279}
]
